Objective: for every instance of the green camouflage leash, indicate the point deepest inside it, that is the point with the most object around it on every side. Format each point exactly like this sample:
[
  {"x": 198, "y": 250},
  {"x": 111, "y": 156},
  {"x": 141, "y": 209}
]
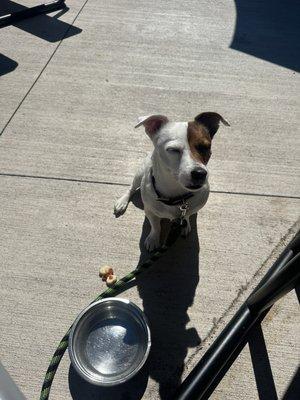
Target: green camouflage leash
[{"x": 174, "y": 233}]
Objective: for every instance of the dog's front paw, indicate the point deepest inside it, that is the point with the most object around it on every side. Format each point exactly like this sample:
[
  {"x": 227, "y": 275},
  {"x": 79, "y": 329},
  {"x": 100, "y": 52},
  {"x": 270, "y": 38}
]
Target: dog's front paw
[
  {"x": 121, "y": 206},
  {"x": 152, "y": 241},
  {"x": 187, "y": 229}
]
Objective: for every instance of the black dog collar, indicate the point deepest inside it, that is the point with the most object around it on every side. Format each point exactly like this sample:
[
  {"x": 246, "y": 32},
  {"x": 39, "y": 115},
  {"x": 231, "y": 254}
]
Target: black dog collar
[{"x": 171, "y": 201}]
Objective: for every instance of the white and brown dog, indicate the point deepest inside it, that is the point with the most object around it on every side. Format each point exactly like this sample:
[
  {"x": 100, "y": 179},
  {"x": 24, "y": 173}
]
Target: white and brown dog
[{"x": 175, "y": 173}]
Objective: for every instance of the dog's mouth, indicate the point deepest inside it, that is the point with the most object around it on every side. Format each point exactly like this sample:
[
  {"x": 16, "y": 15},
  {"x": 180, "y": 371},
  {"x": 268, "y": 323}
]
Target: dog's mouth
[{"x": 195, "y": 187}]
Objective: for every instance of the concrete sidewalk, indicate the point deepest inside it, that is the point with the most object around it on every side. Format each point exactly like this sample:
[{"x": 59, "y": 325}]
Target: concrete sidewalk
[{"x": 71, "y": 89}]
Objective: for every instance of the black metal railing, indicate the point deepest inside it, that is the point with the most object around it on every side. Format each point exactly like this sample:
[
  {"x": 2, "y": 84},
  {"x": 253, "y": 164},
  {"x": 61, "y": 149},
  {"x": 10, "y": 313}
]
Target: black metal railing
[{"x": 282, "y": 277}]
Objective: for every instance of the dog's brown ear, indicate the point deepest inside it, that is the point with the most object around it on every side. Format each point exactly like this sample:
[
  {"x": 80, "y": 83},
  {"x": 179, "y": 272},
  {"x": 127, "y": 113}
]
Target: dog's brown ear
[
  {"x": 211, "y": 121},
  {"x": 152, "y": 123}
]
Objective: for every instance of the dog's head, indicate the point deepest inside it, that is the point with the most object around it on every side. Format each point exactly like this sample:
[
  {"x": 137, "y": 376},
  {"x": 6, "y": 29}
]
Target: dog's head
[{"x": 184, "y": 147}]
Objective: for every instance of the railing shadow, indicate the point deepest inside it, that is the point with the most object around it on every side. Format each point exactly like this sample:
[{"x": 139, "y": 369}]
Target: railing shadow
[
  {"x": 261, "y": 365},
  {"x": 43, "y": 26},
  {"x": 293, "y": 390},
  {"x": 7, "y": 65},
  {"x": 262, "y": 368},
  {"x": 269, "y": 30}
]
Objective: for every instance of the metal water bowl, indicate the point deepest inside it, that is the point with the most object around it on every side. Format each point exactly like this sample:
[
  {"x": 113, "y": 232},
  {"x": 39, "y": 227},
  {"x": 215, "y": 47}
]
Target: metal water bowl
[{"x": 109, "y": 342}]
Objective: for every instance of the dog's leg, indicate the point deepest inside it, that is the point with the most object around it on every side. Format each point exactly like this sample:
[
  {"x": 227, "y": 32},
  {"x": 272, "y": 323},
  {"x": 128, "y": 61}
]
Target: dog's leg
[
  {"x": 152, "y": 240},
  {"x": 187, "y": 229},
  {"x": 122, "y": 203}
]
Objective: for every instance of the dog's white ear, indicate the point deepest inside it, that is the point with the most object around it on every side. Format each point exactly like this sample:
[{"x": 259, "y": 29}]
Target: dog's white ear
[
  {"x": 211, "y": 121},
  {"x": 152, "y": 123}
]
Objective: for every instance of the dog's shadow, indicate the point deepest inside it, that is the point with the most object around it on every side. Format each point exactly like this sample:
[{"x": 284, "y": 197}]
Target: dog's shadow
[
  {"x": 167, "y": 290},
  {"x": 131, "y": 390}
]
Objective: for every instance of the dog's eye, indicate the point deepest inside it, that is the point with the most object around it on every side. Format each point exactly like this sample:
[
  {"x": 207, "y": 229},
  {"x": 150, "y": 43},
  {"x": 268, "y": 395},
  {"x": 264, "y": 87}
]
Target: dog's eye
[
  {"x": 201, "y": 148},
  {"x": 173, "y": 150}
]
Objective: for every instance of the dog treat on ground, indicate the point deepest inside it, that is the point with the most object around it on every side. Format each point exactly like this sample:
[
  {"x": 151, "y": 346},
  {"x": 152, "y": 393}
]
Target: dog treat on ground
[
  {"x": 105, "y": 271},
  {"x": 111, "y": 279}
]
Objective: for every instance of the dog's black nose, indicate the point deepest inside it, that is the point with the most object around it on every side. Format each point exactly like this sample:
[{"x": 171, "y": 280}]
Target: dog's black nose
[{"x": 198, "y": 174}]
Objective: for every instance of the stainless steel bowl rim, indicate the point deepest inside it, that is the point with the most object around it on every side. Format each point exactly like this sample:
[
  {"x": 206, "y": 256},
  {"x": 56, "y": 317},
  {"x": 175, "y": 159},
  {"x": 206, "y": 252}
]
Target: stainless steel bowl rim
[{"x": 72, "y": 354}]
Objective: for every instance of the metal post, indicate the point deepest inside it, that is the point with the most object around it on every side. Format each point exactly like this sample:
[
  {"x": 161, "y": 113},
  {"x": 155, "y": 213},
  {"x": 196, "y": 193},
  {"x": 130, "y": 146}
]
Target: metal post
[{"x": 8, "y": 388}]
